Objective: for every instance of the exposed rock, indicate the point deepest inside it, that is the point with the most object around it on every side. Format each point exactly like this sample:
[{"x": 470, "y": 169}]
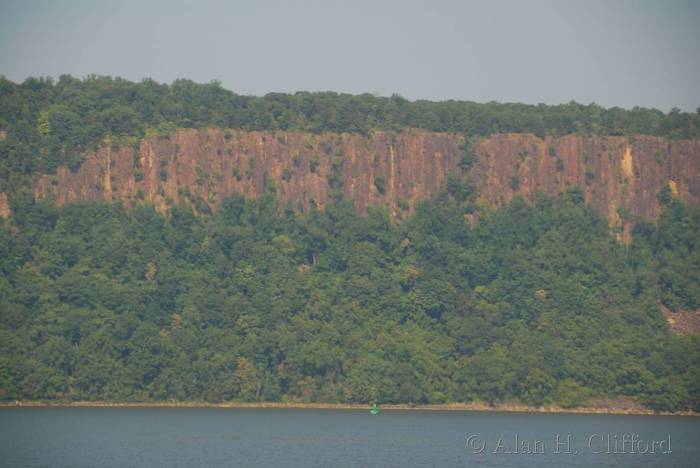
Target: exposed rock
[
  {"x": 621, "y": 177},
  {"x": 682, "y": 322},
  {"x": 4, "y": 206}
]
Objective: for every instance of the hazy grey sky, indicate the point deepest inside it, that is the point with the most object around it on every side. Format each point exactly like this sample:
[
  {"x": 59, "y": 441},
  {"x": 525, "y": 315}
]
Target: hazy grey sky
[{"x": 623, "y": 53}]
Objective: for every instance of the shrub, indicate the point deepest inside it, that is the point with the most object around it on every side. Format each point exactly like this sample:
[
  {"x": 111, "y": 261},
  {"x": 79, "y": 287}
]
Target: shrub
[{"x": 380, "y": 184}]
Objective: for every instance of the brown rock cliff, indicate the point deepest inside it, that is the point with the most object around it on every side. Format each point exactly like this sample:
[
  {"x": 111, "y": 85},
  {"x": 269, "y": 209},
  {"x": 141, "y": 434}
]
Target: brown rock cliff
[{"x": 621, "y": 176}]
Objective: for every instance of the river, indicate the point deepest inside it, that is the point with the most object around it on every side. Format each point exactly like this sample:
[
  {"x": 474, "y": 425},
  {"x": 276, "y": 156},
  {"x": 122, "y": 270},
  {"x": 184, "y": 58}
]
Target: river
[{"x": 203, "y": 437}]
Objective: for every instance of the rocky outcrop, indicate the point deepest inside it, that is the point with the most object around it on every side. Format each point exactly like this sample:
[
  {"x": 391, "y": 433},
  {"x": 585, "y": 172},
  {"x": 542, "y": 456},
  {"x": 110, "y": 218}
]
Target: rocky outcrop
[
  {"x": 621, "y": 177},
  {"x": 681, "y": 322},
  {"x": 4, "y": 205},
  {"x": 304, "y": 169}
]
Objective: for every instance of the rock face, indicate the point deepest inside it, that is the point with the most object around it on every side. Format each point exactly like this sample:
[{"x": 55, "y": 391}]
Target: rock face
[
  {"x": 304, "y": 168},
  {"x": 4, "y": 205},
  {"x": 621, "y": 176}
]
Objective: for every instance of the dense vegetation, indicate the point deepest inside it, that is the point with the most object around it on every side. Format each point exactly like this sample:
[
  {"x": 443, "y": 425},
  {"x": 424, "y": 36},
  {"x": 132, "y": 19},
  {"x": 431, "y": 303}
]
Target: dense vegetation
[
  {"x": 535, "y": 303},
  {"x": 51, "y": 123}
]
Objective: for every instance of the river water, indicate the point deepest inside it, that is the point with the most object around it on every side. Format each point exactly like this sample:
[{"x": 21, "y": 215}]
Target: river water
[{"x": 203, "y": 437}]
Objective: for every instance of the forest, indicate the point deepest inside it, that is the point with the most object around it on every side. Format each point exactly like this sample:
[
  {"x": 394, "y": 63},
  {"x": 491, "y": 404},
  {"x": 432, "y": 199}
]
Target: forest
[{"x": 536, "y": 303}]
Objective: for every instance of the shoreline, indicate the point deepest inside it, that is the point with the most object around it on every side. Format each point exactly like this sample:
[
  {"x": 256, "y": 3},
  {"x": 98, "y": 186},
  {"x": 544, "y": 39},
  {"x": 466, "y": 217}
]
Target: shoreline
[{"x": 466, "y": 407}]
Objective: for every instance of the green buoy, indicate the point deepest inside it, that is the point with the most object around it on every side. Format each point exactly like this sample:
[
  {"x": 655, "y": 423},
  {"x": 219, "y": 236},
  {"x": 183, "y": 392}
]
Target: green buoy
[{"x": 374, "y": 410}]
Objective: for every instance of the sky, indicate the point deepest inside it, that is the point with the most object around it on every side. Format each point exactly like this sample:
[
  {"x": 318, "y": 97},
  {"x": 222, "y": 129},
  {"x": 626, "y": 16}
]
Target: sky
[{"x": 612, "y": 52}]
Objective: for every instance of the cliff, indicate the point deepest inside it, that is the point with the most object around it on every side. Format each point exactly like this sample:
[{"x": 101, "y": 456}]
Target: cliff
[{"x": 621, "y": 176}]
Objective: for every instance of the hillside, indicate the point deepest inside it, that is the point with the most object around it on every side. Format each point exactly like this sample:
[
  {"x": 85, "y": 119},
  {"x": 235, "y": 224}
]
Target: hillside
[{"x": 180, "y": 242}]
